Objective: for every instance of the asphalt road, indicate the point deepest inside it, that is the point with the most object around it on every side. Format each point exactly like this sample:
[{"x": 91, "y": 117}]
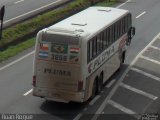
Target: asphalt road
[
  {"x": 130, "y": 91},
  {"x": 17, "y": 10}
]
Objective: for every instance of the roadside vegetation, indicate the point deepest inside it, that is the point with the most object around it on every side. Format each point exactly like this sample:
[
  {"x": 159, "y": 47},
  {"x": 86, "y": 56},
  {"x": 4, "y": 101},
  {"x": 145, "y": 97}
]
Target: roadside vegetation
[
  {"x": 14, "y": 50},
  {"x": 21, "y": 32}
]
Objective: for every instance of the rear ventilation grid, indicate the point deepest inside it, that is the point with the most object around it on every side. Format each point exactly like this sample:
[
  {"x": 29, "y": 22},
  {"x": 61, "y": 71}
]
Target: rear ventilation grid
[
  {"x": 79, "y": 24},
  {"x": 104, "y": 10},
  {"x": 79, "y": 30}
]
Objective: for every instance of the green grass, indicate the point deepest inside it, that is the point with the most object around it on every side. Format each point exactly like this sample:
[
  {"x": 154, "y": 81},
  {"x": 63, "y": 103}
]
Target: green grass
[
  {"x": 14, "y": 50},
  {"x": 105, "y": 3},
  {"x": 29, "y": 26}
]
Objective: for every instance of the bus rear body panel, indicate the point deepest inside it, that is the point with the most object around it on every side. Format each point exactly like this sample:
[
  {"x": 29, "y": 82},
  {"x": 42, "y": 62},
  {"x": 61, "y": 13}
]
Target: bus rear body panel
[{"x": 57, "y": 70}]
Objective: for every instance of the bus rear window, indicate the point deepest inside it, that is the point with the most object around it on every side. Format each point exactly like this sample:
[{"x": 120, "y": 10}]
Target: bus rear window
[
  {"x": 59, "y": 53},
  {"x": 65, "y": 53},
  {"x": 60, "y": 39},
  {"x": 60, "y": 48}
]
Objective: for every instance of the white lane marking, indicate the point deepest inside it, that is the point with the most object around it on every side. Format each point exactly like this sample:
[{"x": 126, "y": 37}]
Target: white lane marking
[
  {"x": 110, "y": 83},
  {"x": 94, "y": 100},
  {"x": 139, "y": 91},
  {"x": 146, "y": 74},
  {"x": 14, "y": 62},
  {"x": 102, "y": 106},
  {"x": 18, "y": 1},
  {"x": 123, "y": 4},
  {"x": 78, "y": 116},
  {"x": 28, "y": 92},
  {"x": 141, "y": 14},
  {"x": 32, "y": 11},
  {"x": 157, "y": 48},
  {"x": 149, "y": 59},
  {"x": 122, "y": 108}
]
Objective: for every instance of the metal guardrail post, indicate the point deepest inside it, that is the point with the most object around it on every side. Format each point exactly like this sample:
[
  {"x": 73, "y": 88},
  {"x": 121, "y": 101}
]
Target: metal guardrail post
[{"x": 2, "y": 11}]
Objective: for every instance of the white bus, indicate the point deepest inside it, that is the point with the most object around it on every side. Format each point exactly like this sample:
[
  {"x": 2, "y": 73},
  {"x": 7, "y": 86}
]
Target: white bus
[{"x": 75, "y": 56}]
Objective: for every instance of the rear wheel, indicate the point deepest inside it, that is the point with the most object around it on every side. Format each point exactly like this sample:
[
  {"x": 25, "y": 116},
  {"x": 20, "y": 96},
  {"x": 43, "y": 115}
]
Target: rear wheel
[
  {"x": 93, "y": 90},
  {"x": 122, "y": 58},
  {"x": 99, "y": 84}
]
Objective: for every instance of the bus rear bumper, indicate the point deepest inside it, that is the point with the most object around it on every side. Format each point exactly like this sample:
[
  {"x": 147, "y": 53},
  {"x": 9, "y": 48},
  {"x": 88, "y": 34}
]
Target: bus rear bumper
[{"x": 58, "y": 95}]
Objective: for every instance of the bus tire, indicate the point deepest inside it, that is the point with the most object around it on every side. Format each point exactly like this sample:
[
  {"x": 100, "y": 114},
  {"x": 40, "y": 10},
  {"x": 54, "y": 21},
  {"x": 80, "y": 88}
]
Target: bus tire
[
  {"x": 99, "y": 81},
  {"x": 123, "y": 56},
  {"x": 93, "y": 90},
  {"x": 122, "y": 59}
]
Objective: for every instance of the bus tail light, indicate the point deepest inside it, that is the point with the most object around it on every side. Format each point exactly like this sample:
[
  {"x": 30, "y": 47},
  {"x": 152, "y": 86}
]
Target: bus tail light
[
  {"x": 34, "y": 81},
  {"x": 80, "y": 85}
]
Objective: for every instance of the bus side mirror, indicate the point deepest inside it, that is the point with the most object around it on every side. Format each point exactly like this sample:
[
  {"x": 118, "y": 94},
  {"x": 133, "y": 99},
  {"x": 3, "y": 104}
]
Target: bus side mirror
[{"x": 133, "y": 31}]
